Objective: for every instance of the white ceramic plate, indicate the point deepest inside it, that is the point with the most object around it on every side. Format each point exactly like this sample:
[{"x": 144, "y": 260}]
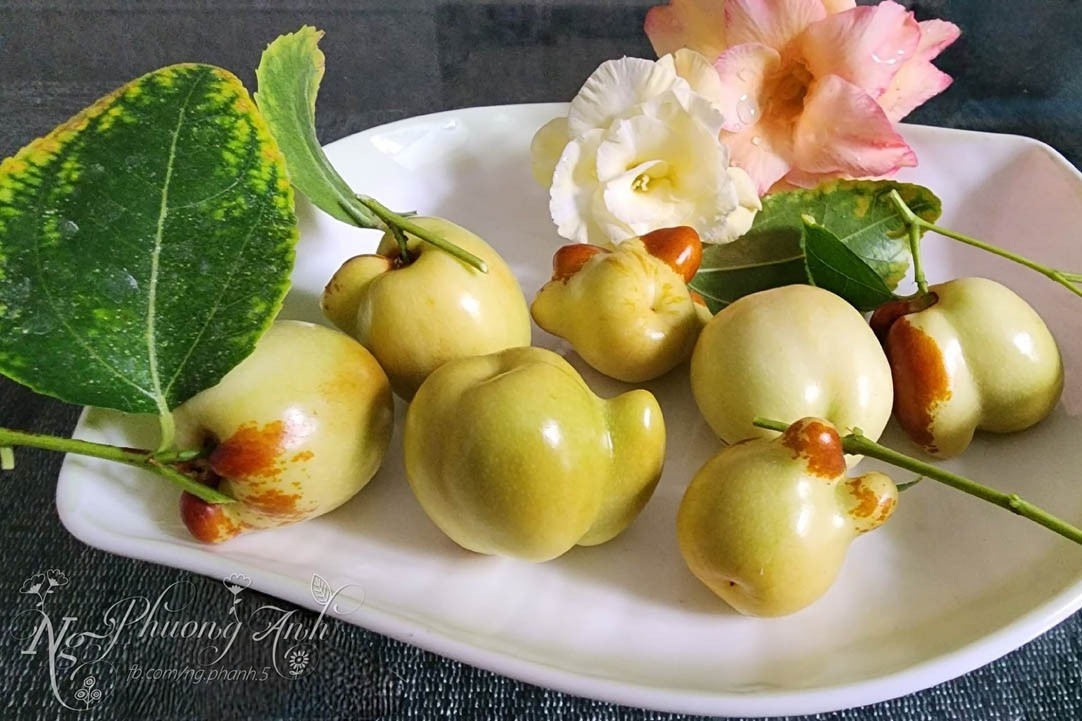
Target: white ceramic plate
[{"x": 949, "y": 584}]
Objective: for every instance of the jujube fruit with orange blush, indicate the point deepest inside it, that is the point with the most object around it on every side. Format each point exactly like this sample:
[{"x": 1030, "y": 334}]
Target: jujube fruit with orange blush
[
  {"x": 969, "y": 355},
  {"x": 627, "y": 310},
  {"x": 294, "y": 431},
  {"x": 766, "y": 523}
]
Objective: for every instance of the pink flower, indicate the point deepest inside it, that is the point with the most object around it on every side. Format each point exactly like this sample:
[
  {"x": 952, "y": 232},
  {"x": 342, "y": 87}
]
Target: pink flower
[{"x": 812, "y": 88}]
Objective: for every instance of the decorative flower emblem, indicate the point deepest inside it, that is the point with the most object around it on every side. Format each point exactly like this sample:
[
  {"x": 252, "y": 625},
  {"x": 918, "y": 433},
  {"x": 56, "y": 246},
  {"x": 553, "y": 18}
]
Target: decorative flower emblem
[
  {"x": 33, "y": 584},
  {"x": 87, "y": 694},
  {"x": 235, "y": 583},
  {"x": 42, "y": 584},
  {"x": 297, "y": 659},
  {"x": 55, "y": 577}
]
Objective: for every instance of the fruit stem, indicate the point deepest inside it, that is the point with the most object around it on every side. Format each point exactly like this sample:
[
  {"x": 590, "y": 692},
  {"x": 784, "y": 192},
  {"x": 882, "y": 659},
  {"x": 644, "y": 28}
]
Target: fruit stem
[
  {"x": 914, "y": 251},
  {"x": 169, "y": 430},
  {"x": 916, "y": 223},
  {"x": 399, "y": 225},
  {"x": 147, "y": 460},
  {"x": 856, "y": 443},
  {"x": 364, "y": 221},
  {"x": 913, "y": 227}
]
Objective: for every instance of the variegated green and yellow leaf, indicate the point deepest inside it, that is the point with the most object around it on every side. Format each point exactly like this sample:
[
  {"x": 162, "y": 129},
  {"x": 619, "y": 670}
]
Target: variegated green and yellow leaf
[{"x": 145, "y": 244}]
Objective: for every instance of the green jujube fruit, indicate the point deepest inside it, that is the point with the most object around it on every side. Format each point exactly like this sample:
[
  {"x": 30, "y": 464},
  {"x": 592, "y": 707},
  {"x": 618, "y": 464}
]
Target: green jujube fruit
[{"x": 512, "y": 454}]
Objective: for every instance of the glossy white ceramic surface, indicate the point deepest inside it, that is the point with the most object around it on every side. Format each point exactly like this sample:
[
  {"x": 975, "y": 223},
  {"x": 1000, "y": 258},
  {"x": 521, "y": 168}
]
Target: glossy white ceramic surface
[{"x": 949, "y": 584}]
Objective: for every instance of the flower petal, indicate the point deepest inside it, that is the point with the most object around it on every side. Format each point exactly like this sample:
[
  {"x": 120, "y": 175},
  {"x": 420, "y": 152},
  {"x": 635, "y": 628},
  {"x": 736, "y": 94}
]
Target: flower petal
[
  {"x": 770, "y": 22},
  {"x": 914, "y": 84},
  {"x": 764, "y": 155},
  {"x": 616, "y": 87},
  {"x": 838, "y": 6},
  {"x": 665, "y": 171},
  {"x": 691, "y": 103},
  {"x": 695, "y": 24},
  {"x": 844, "y": 133},
  {"x": 640, "y": 209},
  {"x": 574, "y": 182},
  {"x": 935, "y": 36},
  {"x": 918, "y": 80},
  {"x": 866, "y": 45},
  {"x": 743, "y": 71},
  {"x": 740, "y": 219},
  {"x": 546, "y": 148},
  {"x": 699, "y": 74}
]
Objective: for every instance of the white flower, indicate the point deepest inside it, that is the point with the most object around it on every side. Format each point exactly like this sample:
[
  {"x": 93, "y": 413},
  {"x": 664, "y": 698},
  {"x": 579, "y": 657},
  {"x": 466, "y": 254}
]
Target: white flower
[{"x": 639, "y": 150}]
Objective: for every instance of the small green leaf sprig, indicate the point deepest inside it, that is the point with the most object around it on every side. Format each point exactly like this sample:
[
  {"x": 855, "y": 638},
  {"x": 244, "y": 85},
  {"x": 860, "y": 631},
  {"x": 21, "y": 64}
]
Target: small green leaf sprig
[
  {"x": 853, "y": 238},
  {"x": 856, "y": 247},
  {"x": 289, "y": 75},
  {"x": 916, "y": 227}
]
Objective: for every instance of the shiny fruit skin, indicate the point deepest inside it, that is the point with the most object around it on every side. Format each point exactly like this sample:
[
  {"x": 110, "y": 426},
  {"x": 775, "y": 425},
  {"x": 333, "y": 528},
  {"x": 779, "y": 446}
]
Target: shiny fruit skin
[
  {"x": 978, "y": 358},
  {"x": 512, "y": 454},
  {"x": 416, "y": 316},
  {"x": 298, "y": 428},
  {"x": 766, "y": 523},
  {"x": 789, "y": 353},
  {"x": 627, "y": 311}
]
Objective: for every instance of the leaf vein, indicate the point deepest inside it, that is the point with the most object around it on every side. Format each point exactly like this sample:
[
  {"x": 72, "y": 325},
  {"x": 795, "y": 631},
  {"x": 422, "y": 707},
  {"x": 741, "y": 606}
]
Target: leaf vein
[
  {"x": 745, "y": 266},
  {"x": 155, "y": 257},
  {"x": 214, "y": 310},
  {"x": 82, "y": 342}
]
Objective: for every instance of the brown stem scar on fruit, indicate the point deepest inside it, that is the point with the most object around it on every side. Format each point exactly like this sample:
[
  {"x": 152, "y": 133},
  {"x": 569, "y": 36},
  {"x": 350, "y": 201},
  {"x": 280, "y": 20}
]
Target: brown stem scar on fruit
[
  {"x": 569, "y": 259},
  {"x": 921, "y": 381},
  {"x": 207, "y": 522},
  {"x": 250, "y": 451},
  {"x": 886, "y": 315},
  {"x": 819, "y": 444},
  {"x": 680, "y": 248}
]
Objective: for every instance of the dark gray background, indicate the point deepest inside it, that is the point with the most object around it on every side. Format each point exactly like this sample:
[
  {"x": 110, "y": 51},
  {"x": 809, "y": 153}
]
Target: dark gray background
[{"x": 1018, "y": 71}]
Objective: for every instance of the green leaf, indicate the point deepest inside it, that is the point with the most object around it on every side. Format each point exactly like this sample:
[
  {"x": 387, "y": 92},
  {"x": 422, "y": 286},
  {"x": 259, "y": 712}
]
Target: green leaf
[
  {"x": 903, "y": 487},
  {"x": 833, "y": 266},
  {"x": 858, "y": 212},
  {"x": 145, "y": 244},
  {"x": 747, "y": 265},
  {"x": 289, "y": 74}
]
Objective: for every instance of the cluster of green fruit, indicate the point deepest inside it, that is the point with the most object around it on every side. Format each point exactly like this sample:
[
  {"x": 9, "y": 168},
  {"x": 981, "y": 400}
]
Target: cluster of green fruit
[{"x": 509, "y": 452}]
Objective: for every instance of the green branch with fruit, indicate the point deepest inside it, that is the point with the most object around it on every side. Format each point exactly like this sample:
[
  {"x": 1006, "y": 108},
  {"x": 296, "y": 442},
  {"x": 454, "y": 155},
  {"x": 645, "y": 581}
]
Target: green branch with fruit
[{"x": 854, "y": 442}]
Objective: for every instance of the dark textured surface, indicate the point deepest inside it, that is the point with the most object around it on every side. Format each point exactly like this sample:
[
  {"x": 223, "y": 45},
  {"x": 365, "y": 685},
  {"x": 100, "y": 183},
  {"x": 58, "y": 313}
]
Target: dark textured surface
[{"x": 1018, "y": 71}]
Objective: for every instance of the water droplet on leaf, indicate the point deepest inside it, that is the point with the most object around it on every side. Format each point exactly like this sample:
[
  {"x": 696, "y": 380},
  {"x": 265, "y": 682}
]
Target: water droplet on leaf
[
  {"x": 40, "y": 324},
  {"x": 118, "y": 286}
]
